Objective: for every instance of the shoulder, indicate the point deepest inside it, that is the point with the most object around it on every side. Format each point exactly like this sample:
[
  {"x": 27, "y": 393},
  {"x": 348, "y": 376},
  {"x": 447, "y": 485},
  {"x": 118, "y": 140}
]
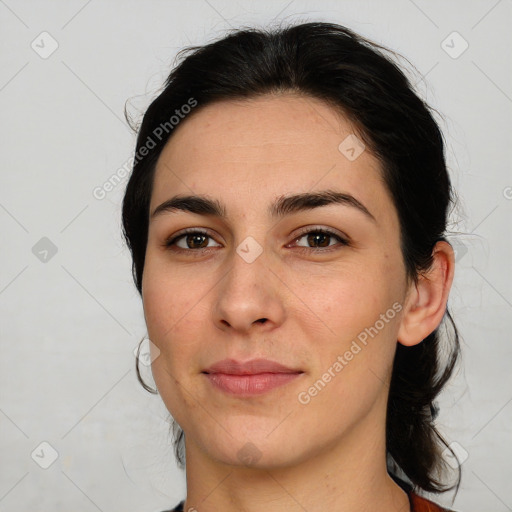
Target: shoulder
[{"x": 420, "y": 504}]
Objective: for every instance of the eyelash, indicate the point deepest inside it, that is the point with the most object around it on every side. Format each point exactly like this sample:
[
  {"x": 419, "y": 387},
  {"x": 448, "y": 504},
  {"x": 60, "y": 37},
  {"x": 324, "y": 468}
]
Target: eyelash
[{"x": 198, "y": 252}]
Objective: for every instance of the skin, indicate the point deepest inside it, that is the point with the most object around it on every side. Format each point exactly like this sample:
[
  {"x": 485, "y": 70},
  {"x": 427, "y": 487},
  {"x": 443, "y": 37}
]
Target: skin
[{"x": 204, "y": 305}]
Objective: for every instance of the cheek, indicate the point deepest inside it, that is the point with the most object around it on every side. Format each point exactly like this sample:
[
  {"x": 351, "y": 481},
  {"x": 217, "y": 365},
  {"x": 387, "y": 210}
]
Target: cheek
[
  {"x": 356, "y": 316},
  {"x": 171, "y": 311},
  {"x": 168, "y": 298},
  {"x": 346, "y": 301},
  {"x": 350, "y": 368}
]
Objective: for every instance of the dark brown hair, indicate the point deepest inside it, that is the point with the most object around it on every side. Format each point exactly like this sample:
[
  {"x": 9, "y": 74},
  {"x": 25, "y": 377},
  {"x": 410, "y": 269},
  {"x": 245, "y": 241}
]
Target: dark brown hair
[{"x": 354, "y": 75}]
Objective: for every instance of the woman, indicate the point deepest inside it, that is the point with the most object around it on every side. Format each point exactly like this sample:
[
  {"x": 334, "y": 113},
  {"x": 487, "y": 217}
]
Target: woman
[{"x": 286, "y": 217}]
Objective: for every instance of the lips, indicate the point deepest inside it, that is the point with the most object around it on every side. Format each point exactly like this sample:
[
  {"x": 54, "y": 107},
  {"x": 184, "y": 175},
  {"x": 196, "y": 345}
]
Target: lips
[
  {"x": 252, "y": 367},
  {"x": 253, "y": 377}
]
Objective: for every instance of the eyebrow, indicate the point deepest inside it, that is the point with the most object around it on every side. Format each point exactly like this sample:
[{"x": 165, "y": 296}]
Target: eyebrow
[{"x": 283, "y": 205}]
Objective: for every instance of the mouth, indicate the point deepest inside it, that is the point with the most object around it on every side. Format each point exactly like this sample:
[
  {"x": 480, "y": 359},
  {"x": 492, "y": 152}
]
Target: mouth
[
  {"x": 253, "y": 377},
  {"x": 249, "y": 384}
]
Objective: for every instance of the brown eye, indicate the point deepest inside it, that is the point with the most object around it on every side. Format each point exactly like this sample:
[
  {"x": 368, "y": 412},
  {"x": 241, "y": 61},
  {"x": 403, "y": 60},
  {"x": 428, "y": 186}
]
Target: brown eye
[
  {"x": 196, "y": 241},
  {"x": 192, "y": 240},
  {"x": 320, "y": 238}
]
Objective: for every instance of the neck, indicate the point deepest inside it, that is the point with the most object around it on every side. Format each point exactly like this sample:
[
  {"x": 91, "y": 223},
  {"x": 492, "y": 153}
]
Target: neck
[{"x": 350, "y": 476}]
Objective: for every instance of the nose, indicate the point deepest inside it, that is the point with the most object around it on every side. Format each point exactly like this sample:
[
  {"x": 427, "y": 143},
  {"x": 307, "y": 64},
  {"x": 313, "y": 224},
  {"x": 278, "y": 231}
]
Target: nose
[{"x": 249, "y": 296}]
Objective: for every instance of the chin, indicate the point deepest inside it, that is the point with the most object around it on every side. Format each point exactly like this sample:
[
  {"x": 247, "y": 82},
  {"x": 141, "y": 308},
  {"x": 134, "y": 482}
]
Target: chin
[{"x": 256, "y": 451}]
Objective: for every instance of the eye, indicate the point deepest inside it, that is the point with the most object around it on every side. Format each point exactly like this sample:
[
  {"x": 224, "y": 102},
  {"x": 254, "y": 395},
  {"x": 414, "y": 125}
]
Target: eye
[
  {"x": 319, "y": 238},
  {"x": 190, "y": 240},
  {"x": 316, "y": 240}
]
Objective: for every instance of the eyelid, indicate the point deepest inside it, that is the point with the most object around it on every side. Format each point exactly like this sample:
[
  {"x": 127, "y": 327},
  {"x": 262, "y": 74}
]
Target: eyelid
[{"x": 321, "y": 229}]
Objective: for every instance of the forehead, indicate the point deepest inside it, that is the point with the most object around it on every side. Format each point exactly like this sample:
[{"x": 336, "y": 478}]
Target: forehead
[{"x": 264, "y": 147}]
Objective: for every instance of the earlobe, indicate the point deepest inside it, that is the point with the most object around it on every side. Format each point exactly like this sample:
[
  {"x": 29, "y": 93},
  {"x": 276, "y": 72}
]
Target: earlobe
[{"x": 426, "y": 301}]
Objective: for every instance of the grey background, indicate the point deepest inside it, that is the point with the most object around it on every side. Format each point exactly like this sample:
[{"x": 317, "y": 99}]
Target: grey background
[{"x": 71, "y": 320}]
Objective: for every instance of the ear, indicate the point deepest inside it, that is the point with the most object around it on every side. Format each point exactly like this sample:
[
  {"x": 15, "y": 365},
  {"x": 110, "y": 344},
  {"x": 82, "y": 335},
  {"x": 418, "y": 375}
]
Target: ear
[{"x": 426, "y": 300}]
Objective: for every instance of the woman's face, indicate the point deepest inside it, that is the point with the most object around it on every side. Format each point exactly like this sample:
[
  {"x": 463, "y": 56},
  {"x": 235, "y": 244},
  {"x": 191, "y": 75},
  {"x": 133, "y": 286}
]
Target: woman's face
[{"x": 260, "y": 281}]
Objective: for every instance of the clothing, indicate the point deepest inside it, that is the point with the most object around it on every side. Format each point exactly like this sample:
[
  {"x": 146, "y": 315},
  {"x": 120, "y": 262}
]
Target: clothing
[{"x": 418, "y": 504}]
